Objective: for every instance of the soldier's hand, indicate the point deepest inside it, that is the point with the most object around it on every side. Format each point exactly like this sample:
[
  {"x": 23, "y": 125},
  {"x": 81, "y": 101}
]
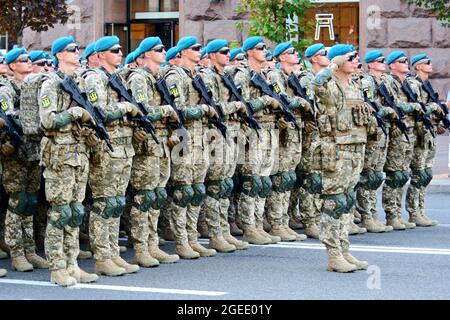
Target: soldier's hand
[
  {"x": 310, "y": 127},
  {"x": 273, "y": 103},
  {"x": 395, "y": 131},
  {"x": 282, "y": 124},
  {"x": 92, "y": 140},
  {"x": 85, "y": 116},
  {"x": 434, "y": 108},
  {"x": 174, "y": 116},
  {"x": 7, "y": 148},
  {"x": 2, "y": 123},
  {"x": 209, "y": 111},
  {"x": 241, "y": 107},
  {"x": 172, "y": 142},
  {"x": 140, "y": 136},
  {"x": 306, "y": 106},
  {"x": 391, "y": 114},
  {"x": 135, "y": 112},
  {"x": 440, "y": 129}
]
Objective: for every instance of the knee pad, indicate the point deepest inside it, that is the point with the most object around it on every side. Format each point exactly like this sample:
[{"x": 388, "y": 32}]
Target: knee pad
[
  {"x": 77, "y": 214},
  {"x": 149, "y": 198},
  {"x": 313, "y": 183},
  {"x": 118, "y": 211},
  {"x": 300, "y": 178},
  {"x": 371, "y": 180},
  {"x": 182, "y": 195},
  {"x": 199, "y": 194},
  {"x": 251, "y": 185},
  {"x": 397, "y": 179},
  {"x": 281, "y": 181},
  {"x": 161, "y": 198},
  {"x": 65, "y": 215},
  {"x": 429, "y": 174},
  {"x": 229, "y": 186},
  {"x": 110, "y": 207},
  {"x": 293, "y": 176},
  {"x": 351, "y": 199},
  {"x": 215, "y": 189},
  {"x": 22, "y": 204},
  {"x": 334, "y": 205},
  {"x": 32, "y": 203},
  {"x": 266, "y": 187}
]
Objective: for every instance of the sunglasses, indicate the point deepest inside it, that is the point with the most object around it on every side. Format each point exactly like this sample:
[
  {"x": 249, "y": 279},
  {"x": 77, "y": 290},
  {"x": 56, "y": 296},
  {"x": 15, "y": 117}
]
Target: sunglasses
[
  {"x": 224, "y": 51},
  {"x": 115, "y": 50},
  {"x": 290, "y": 51},
  {"x": 241, "y": 57},
  {"x": 160, "y": 48},
  {"x": 352, "y": 57},
  {"x": 44, "y": 63},
  {"x": 23, "y": 59},
  {"x": 49, "y": 62},
  {"x": 72, "y": 49},
  {"x": 260, "y": 47},
  {"x": 322, "y": 53},
  {"x": 2, "y": 60},
  {"x": 197, "y": 47},
  {"x": 402, "y": 60},
  {"x": 427, "y": 61},
  {"x": 380, "y": 60}
]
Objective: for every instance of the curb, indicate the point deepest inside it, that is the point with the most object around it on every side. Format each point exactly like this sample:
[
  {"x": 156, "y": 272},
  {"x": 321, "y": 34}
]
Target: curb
[{"x": 439, "y": 186}]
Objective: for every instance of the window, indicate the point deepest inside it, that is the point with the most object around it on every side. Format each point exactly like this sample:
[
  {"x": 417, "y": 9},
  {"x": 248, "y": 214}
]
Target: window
[
  {"x": 141, "y": 6},
  {"x": 3, "y": 43}
]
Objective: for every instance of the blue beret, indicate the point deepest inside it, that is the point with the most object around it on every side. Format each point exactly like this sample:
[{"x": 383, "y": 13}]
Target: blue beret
[
  {"x": 131, "y": 57},
  {"x": 171, "y": 53},
  {"x": 235, "y": 52},
  {"x": 37, "y": 55},
  {"x": 216, "y": 45},
  {"x": 204, "y": 52},
  {"x": 105, "y": 43},
  {"x": 312, "y": 50},
  {"x": 251, "y": 42},
  {"x": 186, "y": 43},
  {"x": 147, "y": 44},
  {"x": 279, "y": 49},
  {"x": 339, "y": 50},
  {"x": 48, "y": 56},
  {"x": 12, "y": 55},
  {"x": 164, "y": 64},
  {"x": 394, "y": 56},
  {"x": 269, "y": 54},
  {"x": 60, "y": 43},
  {"x": 90, "y": 50},
  {"x": 419, "y": 57},
  {"x": 278, "y": 65},
  {"x": 372, "y": 55}
]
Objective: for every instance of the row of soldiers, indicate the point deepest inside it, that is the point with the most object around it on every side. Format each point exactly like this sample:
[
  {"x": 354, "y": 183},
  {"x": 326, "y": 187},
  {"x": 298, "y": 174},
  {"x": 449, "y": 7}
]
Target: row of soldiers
[{"x": 196, "y": 138}]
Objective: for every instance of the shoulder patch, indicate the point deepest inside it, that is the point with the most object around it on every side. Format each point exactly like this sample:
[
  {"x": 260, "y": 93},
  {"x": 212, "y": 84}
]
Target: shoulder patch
[
  {"x": 276, "y": 87},
  {"x": 45, "y": 102},
  {"x": 140, "y": 96},
  {"x": 174, "y": 91},
  {"x": 92, "y": 96}
]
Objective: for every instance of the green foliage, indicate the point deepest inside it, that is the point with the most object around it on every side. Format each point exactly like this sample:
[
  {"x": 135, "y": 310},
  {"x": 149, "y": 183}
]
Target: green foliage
[
  {"x": 16, "y": 15},
  {"x": 440, "y": 7},
  {"x": 267, "y": 18}
]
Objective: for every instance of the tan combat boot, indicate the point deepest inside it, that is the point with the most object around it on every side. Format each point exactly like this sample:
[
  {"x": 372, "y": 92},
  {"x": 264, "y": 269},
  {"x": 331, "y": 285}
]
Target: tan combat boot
[
  {"x": 273, "y": 239},
  {"x": 144, "y": 259},
  {"x": 357, "y": 217},
  {"x": 254, "y": 236},
  {"x": 37, "y": 261},
  {"x": 354, "y": 229},
  {"x": 201, "y": 249},
  {"x": 372, "y": 226},
  {"x": 161, "y": 256},
  {"x": 234, "y": 229},
  {"x": 84, "y": 255},
  {"x": 62, "y": 278},
  {"x": 337, "y": 262},
  {"x": 130, "y": 268},
  {"x": 240, "y": 245},
  {"x": 21, "y": 264},
  {"x": 298, "y": 236},
  {"x": 432, "y": 222},
  {"x": 3, "y": 255},
  {"x": 186, "y": 252},
  {"x": 202, "y": 228},
  {"x": 3, "y": 272},
  {"x": 408, "y": 225},
  {"x": 80, "y": 275},
  {"x": 362, "y": 265},
  {"x": 419, "y": 220},
  {"x": 312, "y": 231},
  {"x": 278, "y": 230},
  {"x": 108, "y": 268},
  {"x": 219, "y": 243},
  {"x": 395, "y": 223}
]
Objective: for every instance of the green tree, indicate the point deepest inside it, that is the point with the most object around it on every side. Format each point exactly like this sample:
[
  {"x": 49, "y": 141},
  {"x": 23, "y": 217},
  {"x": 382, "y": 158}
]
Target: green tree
[
  {"x": 277, "y": 20},
  {"x": 16, "y": 15},
  {"x": 440, "y": 7}
]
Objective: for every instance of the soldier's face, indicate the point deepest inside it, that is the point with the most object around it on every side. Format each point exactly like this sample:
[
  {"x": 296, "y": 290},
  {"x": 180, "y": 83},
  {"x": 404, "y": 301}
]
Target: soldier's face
[
  {"x": 157, "y": 54},
  {"x": 258, "y": 52},
  {"x": 321, "y": 59},
  {"x": 400, "y": 65},
  {"x": 22, "y": 64},
  {"x": 70, "y": 55},
  {"x": 222, "y": 57},
  {"x": 426, "y": 66},
  {"x": 113, "y": 55},
  {"x": 93, "y": 61},
  {"x": 194, "y": 53},
  {"x": 378, "y": 65},
  {"x": 39, "y": 66},
  {"x": 290, "y": 57},
  {"x": 3, "y": 68}
]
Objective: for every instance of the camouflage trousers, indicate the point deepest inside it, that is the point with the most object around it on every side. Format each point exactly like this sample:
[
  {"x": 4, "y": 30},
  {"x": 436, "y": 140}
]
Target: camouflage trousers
[
  {"x": 150, "y": 170},
  {"x": 423, "y": 158},
  {"x": 109, "y": 176},
  {"x": 290, "y": 153},
  {"x": 334, "y": 233},
  {"x": 20, "y": 176},
  {"x": 399, "y": 157},
  {"x": 189, "y": 162},
  {"x": 65, "y": 183},
  {"x": 260, "y": 156}
]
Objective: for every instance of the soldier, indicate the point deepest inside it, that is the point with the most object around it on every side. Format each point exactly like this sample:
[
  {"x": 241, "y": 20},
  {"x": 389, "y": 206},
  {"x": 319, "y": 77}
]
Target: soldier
[
  {"x": 343, "y": 120},
  {"x": 173, "y": 57},
  {"x": 65, "y": 161},
  {"x": 259, "y": 154},
  {"x": 238, "y": 57},
  {"x": 151, "y": 164},
  {"x": 306, "y": 195},
  {"x": 400, "y": 148},
  {"x": 219, "y": 179},
  {"x": 270, "y": 61},
  {"x": 39, "y": 61},
  {"x": 21, "y": 176},
  {"x": 130, "y": 60},
  {"x": 425, "y": 147},
  {"x": 376, "y": 148},
  {"x": 110, "y": 171},
  {"x": 204, "y": 59},
  {"x": 290, "y": 146},
  {"x": 91, "y": 55}
]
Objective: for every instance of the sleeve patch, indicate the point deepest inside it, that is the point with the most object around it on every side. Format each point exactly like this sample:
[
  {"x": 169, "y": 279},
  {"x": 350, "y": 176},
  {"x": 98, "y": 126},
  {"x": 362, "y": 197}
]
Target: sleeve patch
[
  {"x": 276, "y": 87},
  {"x": 140, "y": 96},
  {"x": 45, "y": 102},
  {"x": 92, "y": 96},
  {"x": 174, "y": 91}
]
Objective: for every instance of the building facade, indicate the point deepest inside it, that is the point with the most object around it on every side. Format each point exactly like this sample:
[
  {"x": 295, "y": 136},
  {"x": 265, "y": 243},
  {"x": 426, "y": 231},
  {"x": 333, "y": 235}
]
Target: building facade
[{"x": 368, "y": 24}]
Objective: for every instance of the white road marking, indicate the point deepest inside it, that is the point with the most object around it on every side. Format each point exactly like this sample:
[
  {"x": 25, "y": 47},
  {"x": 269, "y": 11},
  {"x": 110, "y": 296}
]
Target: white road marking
[{"x": 118, "y": 288}]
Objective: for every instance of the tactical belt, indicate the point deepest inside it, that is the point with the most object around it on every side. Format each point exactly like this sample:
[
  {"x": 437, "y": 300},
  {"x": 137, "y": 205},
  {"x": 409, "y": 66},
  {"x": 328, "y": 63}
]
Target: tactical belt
[
  {"x": 356, "y": 147},
  {"x": 121, "y": 141}
]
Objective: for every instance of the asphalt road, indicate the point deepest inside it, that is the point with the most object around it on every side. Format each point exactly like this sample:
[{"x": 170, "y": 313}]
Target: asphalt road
[{"x": 413, "y": 264}]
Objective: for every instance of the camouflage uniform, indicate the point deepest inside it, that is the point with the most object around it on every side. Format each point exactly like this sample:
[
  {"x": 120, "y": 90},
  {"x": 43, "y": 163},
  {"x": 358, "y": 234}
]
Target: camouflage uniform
[
  {"x": 109, "y": 170},
  {"x": 343, "y": 120},
  {"x": 64, "y": 155},
  {"x": 21, "y": 179}
]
